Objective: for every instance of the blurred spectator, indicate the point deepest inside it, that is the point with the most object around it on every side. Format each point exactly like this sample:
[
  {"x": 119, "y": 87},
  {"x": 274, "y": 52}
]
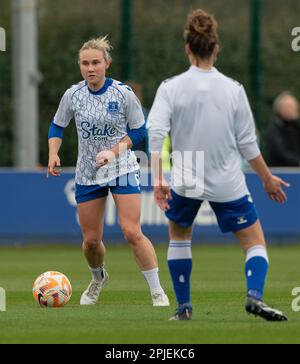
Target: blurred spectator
[
  {"x": 282, "y": 138},
  {"x": 143, "y": 145}
]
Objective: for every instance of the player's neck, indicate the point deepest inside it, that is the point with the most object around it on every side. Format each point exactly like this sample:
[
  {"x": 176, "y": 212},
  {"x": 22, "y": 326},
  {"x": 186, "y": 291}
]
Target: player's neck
[
  {"x": 205, "y": 64},
  {"x": 96, "y": 86}
]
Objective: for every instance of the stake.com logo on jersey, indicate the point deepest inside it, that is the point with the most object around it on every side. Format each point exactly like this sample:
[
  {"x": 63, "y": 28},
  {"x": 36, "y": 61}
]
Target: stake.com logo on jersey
[{"x": 89, "y": 130}]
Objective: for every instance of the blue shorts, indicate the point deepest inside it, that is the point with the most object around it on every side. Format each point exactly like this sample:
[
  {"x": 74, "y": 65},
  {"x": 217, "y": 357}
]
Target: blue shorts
[
  {"x": 232, "y": 216},
  {"x": 128, "y": 184}
]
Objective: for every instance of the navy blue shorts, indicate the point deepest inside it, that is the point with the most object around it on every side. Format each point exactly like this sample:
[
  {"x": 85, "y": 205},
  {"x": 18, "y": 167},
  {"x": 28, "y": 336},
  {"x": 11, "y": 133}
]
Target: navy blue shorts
[
  {"x": 232, "y": 216},
  {"x": 128, "y": 184}
]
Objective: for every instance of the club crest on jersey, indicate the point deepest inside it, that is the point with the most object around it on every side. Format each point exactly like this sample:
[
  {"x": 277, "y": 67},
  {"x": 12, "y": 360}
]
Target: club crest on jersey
[{"x": 113, "y": 107}]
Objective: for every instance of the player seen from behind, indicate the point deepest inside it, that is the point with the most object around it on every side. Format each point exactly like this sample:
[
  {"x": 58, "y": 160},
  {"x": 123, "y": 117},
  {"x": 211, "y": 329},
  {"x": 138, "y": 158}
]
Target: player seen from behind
[{"x": 211, "y": 126}]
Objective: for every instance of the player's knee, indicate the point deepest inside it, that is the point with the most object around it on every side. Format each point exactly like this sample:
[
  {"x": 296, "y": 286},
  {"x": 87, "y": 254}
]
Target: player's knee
[
  {"x": 91, "y": 243},
  {"x": 133, "y": 236}
]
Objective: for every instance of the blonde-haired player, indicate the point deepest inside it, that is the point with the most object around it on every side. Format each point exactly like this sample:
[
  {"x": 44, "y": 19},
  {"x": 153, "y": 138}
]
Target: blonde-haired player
[{"x": 109, "y": 121}]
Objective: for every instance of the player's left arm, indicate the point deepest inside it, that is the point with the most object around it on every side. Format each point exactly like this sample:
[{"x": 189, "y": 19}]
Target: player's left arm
[
  {"x": 107, "y": 156},
  {"x": 247, "y": 143},
  {"x": 244, "y": 128},
  {"x": 136, "y": 131},
  {"x": 272, "y": 184},
  {"x": 133, "y": 137}
]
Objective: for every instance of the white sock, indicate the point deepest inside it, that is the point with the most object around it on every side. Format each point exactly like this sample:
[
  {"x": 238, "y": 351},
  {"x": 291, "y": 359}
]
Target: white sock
[
  {"x": 97, "y": 273},
  {"x": 152, "y": 279},
  {"x": 180, "y": 249},
  {"x": 257, "y": 251}
]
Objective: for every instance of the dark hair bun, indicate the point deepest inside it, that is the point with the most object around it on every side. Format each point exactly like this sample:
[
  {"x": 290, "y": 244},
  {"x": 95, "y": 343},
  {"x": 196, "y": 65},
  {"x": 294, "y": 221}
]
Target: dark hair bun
[{"x": 201, "y": 33}]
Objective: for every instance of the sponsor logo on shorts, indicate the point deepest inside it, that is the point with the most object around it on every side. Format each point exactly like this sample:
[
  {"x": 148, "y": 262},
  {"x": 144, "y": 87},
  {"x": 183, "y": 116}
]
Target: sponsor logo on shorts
[{"x": 241, "y": 220}]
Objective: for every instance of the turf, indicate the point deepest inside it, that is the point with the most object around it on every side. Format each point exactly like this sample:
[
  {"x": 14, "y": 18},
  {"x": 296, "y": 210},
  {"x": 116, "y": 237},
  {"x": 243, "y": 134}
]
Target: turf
[{"x": 125, "y": 314}]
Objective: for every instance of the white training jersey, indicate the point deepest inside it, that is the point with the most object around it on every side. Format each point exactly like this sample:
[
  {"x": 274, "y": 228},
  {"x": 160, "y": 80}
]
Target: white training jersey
[
  {"x": 211, "y": 126},
  {"x": 102, "y": 119}
]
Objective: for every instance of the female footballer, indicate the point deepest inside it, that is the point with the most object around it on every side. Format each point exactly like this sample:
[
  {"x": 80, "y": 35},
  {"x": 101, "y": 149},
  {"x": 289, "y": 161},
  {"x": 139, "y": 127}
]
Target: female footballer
[
  {"x": 109, "y": 121},
  {"x": 211, "y": 126}
]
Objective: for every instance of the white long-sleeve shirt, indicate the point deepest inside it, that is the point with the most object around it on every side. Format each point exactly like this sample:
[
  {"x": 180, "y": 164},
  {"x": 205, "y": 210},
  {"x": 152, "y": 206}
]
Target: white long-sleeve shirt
[{"x": 211, "y": 126}]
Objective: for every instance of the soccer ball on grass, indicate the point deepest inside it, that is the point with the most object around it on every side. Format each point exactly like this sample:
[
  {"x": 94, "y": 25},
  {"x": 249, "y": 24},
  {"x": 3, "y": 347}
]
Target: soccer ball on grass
[{"x": 52, "y": 289}]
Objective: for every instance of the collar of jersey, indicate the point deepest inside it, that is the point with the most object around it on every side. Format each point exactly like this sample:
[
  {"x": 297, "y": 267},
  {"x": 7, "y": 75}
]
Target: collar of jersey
[
  {"x": 198, "y": 69},
  {"x": 108, "y": 82}
]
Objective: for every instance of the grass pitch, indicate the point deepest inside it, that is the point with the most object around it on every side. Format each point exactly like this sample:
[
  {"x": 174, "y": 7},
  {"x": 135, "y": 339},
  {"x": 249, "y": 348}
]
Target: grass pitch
[{"x": 125, "y": 315}]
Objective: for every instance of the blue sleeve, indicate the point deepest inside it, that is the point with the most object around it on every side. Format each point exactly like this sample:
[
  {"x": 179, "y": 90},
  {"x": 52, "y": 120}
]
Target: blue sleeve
[
  {"x": 55, "y": 131},
  {"x": 137, "y": 135}
]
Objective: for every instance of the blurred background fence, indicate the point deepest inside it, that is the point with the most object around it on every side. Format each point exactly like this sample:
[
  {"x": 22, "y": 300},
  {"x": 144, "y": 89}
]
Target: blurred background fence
[
  {"x": 148, "y": 48},
  {"x": 147, "y": 37}
]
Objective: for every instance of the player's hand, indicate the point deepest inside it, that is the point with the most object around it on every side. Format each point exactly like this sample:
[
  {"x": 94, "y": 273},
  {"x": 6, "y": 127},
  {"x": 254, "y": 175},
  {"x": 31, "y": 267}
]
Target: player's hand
[
  {"x": 273, "y": 187},
  {"x": 54, "y": 166},
  {"x": 104, "y": 157},
  {"x": 161, "y": 195}
]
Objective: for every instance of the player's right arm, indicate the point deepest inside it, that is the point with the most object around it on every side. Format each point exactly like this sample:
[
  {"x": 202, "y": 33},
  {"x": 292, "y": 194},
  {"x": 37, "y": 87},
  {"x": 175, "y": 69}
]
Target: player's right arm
[
  {"x": 159, "y": 119},
  {"x": 159, "y": 124},
  {"x": 61, "y": 120},
  {"x": 54, "y": 160}
]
